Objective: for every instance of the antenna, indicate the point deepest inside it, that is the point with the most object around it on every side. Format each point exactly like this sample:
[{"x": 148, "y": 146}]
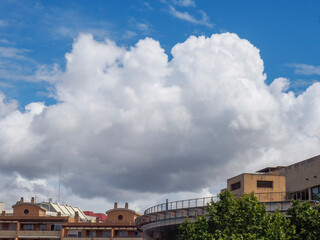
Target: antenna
[{"x": 59, "y": 181}]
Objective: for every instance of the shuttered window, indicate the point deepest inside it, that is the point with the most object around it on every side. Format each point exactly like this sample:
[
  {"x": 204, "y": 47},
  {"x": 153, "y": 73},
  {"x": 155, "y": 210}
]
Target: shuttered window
[
  {"x": 235, "y": 186},
  {"x": 265, "y": 184}
]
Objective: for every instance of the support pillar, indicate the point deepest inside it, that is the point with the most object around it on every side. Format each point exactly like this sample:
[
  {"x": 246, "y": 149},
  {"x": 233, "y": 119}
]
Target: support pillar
[
  {"x": 310, "y": 193},
  {"x": 18, "y": 229},
  {"x": 112, "y": 234}
]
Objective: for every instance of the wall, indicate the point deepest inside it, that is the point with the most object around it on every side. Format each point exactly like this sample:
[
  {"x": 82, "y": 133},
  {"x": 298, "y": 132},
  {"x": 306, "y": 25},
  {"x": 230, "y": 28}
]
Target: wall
[
  {"x": 34, "y": 210},
  {"x": 239, "y": 178},
  {"x": 127, "y": 216},
  {"x": 302, "y": 175},
  {"x": 264, "y": 194}
]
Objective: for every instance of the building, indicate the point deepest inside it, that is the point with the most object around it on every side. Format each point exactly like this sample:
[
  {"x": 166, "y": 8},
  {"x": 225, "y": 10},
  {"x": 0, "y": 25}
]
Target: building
[
  {"x": 119, "y": 224},
  {"x": 31, "y": 220},
  {"x": 267, "y": 187},
  {"x": 275, "y": 186},
  {"x": 297, "y": 181}
]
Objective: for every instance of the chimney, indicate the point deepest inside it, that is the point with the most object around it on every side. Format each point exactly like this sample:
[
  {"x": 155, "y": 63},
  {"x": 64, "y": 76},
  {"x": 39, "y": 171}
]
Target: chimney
[
  {"x": 21, "y": 200},
  {"x": 126, "y": 205},
  {"x": 3, "y": 213},
  {"x": 32, "y": 200},
  {"x": 59, "y": 214},
  {"x": 76, "y": 217},
  {"x": 115, "y": 205},
  {"x": 97, "y": 219}
]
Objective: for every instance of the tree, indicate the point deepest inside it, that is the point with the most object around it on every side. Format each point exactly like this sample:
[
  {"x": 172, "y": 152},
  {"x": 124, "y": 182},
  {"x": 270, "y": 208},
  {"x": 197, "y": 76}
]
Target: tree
[
  {"x": 237, "y": 218},
  {"x": 306, "y": 220}
]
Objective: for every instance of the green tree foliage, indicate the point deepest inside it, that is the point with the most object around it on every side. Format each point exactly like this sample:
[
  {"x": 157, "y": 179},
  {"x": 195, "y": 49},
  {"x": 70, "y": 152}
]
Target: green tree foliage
[
  {"x": 306, "y": 220},
  {"x": 245, "y": 218}
]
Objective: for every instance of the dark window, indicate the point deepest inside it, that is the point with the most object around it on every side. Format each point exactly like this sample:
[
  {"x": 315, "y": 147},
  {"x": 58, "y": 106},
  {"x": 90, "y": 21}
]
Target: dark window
[
  {"x": 315, "y": 193},
  {"x": 123, "y": 234},
  {"x": 106, "y": 234},
  {"x": 43, "y": 227},
  {"x": 56, "y": 227},
  {"x": 26, "y": 211},
  {"x": 92, "y": 234},
  {"x": 120, "y": 217},
  {"x": 265, "y": 184},
  {"x": 235, "y": 186},
  {"x": 27, "y": 227},
  {"x": 12, "y": 226}
]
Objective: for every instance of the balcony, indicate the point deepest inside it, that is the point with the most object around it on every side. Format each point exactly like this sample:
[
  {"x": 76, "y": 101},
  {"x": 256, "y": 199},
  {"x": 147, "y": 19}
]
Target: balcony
[
  {"x": 39, "y": 234},
  {"x": 106, "y": 238},
  {"x": 8, "y": 233}
]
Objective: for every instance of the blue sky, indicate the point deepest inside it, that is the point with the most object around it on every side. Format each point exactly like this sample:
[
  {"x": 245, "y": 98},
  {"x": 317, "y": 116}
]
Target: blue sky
[
  {"x": 151, "y": 100},
  {"x": 37, "y": 33}
]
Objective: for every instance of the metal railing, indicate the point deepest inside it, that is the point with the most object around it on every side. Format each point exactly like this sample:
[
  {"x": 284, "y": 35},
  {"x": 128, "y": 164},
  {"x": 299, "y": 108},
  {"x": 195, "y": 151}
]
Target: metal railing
[
  {"x": 181, "y": 204},
  {"x": 202, "y": 202},
  {"x": 273, "y": 196}
]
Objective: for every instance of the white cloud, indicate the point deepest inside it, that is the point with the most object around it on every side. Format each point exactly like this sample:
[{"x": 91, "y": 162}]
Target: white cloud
[
  {"x": 305, "y": 69},
  {"x": 184, "y": 3},
  {"x": 141, "y": 127},
  {"x": 189, "y": 18}
]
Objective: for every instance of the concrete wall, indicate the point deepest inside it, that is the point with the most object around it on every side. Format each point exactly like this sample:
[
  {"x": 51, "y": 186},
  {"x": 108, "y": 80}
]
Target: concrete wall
[
  {"x": 302, "y": 175},
  {"x": 239, "y": 178},
  {"x": 279, "y": 183},
  {"x": 264, "y": 194}
]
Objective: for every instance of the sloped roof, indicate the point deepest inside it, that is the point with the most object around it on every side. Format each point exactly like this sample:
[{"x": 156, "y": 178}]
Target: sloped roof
[{"x": 101, "y": 216}]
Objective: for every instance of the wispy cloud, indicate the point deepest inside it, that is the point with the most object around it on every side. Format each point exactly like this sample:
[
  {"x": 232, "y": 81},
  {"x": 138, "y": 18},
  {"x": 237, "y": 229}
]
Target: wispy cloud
[
  {"x": 142, "y": 26},
  {"x": 190, "y": 18},
  {"x": 3, "y": 23},
  {"x": 147, "y": 5},
  {"x": 13, "y": 53},
  {"x": 5, "y": 85},
  {"x": 184, "y": 3},
  {"x": 5, "y": 41},
  {"x": 129, "y": 34},
  {"x": 305, "y": 69}
]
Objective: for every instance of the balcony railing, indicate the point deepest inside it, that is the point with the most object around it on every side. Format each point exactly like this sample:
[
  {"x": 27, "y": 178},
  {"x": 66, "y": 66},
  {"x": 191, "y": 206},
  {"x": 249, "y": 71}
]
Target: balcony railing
[
  {"x": 202, "y": 202},
  {"x": 7, "y": 233},
  {"x": 181, "y": 204},
  {"x": 39, "y": 233}
]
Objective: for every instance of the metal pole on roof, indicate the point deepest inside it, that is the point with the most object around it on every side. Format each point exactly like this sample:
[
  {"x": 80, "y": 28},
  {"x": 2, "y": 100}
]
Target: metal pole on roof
[{"x": 59, "y": 180}]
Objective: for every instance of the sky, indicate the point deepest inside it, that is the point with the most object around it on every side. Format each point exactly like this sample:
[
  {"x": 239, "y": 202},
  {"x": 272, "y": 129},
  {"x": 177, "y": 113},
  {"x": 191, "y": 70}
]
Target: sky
[{"x": 142, "y": 101}]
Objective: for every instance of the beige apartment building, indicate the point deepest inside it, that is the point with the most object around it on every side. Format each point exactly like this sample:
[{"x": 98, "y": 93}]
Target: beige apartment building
[
  {"x": 297, "y": 181},
  {"x": 31, "y": 220}
]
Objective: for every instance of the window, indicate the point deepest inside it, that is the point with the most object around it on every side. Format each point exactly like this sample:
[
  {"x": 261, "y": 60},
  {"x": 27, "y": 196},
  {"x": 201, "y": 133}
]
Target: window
[
  {"x": 235, "y": 186},
  {"x": 27, "y": 227},
  {"x": 303, "y": 195},
  {"x": 92, "y": 234},
  {"x": 74, "y": 233},
  {"x": 12, "y": 226},
  {"x": 56, "y": 227},
  {"x": 123, "y": 234},
  {"x": 265, "y": 184},
  {"x": 106, "y": 234},
  {"x": 120, "y": 217},
  {"x": 43, "y": 227},
  {"x": 315, "y": 193}
]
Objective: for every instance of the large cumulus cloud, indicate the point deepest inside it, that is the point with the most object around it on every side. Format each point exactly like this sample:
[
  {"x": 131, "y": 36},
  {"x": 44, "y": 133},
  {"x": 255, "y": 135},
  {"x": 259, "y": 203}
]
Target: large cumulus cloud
[{"x": 129, "y": 122}]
